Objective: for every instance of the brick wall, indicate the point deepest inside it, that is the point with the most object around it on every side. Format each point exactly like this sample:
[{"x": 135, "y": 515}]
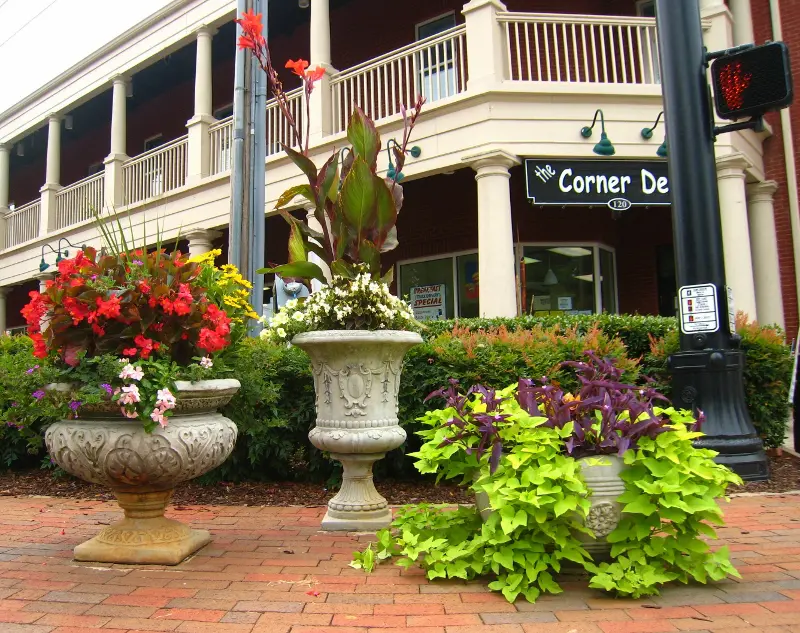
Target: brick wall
[{"x": 774, "y": 158}]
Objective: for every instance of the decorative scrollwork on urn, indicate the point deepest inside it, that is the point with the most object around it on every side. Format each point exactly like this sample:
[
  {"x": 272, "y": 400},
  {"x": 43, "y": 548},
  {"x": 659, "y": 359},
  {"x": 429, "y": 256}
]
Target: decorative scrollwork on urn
[{"x": 602, "y": 519}]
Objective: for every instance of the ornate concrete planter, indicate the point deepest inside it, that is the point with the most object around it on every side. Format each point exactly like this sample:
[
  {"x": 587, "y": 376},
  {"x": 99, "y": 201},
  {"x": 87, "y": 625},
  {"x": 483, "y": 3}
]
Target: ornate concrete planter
[
  {"x": 603, "y": 479},
  {"x": 142, "y": 469},
  {"x": 356, "y": 380}
]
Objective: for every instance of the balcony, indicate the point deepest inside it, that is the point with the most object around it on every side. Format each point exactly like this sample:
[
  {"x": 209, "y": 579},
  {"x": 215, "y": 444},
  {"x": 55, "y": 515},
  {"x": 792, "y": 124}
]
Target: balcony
[{"x": 534, "y": 54}]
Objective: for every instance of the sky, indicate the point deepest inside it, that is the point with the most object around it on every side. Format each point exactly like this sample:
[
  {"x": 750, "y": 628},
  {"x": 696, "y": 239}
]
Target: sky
[{"x": 34, "y": 50}]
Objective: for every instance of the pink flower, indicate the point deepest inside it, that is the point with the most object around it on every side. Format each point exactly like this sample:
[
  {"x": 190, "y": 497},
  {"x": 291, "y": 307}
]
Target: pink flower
[
  {"x": 165, "y": 400},
  {"x": 130, "y": 395},
  {"x": 131, "y": 372},
  {"x": 206, "y": 362},
  {"x": 129, "y": 414},
  {"x": 158, "y": 416}
]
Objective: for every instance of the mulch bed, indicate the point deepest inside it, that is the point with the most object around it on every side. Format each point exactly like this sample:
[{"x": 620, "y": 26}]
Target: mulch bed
[{"x": 784, "y": 469}]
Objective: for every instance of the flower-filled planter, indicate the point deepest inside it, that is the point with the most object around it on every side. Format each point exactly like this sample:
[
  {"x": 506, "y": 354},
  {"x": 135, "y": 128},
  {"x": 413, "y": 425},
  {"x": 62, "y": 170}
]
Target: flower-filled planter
[
  {"x": 355, "y": 331},
  {"x": 139, "y": 340},
  {"x": 607, "y": 479}
]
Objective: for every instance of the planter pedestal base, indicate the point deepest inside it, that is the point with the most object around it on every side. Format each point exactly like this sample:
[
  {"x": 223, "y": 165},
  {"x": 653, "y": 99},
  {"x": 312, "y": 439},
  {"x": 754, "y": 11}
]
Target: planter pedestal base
[
  {"x": 145, "y": 535},
  {"x": 357, "y": 507}
]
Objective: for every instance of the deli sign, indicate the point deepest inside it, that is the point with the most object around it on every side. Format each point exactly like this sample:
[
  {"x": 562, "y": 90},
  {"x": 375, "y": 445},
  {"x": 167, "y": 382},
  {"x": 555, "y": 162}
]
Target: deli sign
[{"x": 617, "y": 184}]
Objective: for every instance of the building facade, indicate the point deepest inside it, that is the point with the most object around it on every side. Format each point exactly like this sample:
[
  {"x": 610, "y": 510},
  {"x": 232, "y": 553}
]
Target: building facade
[{"x": 511, "y": 207}]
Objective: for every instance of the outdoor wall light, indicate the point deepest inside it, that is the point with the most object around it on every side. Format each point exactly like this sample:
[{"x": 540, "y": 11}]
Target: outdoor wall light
[
  {"x": 391, "y": 173},
  {"x": 129, "y": 88},
  {"x": 647, "y": 134},
  {"x": 20, "y": 149},
  {"x": 68, "y": 122},
  {"x": 66, "y": 252},
  {"x": 604, "y": 146},
  {"x": 303, "y": 4},
  {"x": 43, "y": 265}
]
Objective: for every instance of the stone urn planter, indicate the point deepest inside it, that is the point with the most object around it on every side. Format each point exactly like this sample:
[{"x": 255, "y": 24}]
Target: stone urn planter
[
  {"x": 602, "y": 476},
  {"x": 142, "y": 469},
  {"x": 356, "y": 381}
]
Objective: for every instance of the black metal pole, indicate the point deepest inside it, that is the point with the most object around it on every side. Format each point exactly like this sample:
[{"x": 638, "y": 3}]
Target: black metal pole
[{"x": 707, "y": 372}]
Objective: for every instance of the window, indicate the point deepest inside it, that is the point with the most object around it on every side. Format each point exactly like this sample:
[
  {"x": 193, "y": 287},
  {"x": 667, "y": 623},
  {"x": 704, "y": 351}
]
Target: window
[
  {"x": 564, "y": 280},
  {"x": 429, "y": 274},
  {"x": 436, "y": 63},
  {"x": 223, "y": 112},
  {"x": 95, "y": 168},
  {"x": 154, "y": 175},
  {"x": 153, "y": 141},
  {"x": 647, "y": 9}
]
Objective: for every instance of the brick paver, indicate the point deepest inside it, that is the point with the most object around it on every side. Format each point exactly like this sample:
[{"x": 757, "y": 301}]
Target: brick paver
[{"x": 270, "y": 570}]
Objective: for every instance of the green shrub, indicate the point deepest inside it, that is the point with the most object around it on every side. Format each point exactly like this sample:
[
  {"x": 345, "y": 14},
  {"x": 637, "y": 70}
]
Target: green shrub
[{"x": 767, "y": 375}]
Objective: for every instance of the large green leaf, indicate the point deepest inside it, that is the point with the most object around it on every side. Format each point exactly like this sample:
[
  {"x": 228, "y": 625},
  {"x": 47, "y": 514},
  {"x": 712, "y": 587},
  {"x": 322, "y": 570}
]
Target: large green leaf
[
  {"x": 297, "y": 245},
  {"x": 327, "y": 180},
  {"x": 303, "y": 162},
  {"x": 343, "y": 269},
  {"x": 364, "y": 137},
  {"x": 358, "y": 199},
  {"x": 388, "y": 277},
  {"x": 370, "y": 256},
  {"x": 306, "y": 230},
  {"x": 303, "y": 270},
  {"x": 291, "y": 193},
  {"x": 385, "y": 210}
]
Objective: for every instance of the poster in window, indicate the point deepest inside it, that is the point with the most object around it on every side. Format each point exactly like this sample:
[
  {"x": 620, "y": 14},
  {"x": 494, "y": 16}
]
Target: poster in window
[{"x": 428, "y": 302}]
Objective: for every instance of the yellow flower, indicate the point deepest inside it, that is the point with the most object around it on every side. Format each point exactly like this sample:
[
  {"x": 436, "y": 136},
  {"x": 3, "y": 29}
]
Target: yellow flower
[{"x": 207, "y": 257}]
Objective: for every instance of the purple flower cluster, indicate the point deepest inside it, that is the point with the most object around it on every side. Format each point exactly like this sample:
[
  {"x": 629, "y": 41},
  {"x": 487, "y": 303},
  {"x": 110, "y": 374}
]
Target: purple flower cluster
[
  {"x": 105, "y": 386},
  {"x": 32, "y": 369},
  {"x": 38, "y": 394}
]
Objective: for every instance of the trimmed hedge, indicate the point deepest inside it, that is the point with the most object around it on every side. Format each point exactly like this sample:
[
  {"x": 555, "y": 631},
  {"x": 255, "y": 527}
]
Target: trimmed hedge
[{"x": 275, "y": 408}]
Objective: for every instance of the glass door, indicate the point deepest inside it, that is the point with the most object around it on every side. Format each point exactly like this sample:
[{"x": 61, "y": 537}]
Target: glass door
[{"x": 436, "y": 64}]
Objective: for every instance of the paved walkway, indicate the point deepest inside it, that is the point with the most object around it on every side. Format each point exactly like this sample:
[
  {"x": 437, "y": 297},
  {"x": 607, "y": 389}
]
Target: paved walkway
[{"x": 269, "y": 570}]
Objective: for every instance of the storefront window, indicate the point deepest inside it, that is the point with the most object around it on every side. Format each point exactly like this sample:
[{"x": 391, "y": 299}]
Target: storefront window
[
  {"x": 468, "y": 285},
  {"x": 432, "y": 281},
  {"x": 564, "y": 280}
]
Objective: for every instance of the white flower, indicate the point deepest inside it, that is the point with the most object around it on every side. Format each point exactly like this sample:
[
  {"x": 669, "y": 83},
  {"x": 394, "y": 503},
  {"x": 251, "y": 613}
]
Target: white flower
[
  {"x": 264, "y": 334},
  {"x": 131, "y": 372},
  {"x": 298, "y": 316},
  {"x": 281, "y": 332},
  {"x": 206, "y": 362},
  {"x": 165, "y": 399}
]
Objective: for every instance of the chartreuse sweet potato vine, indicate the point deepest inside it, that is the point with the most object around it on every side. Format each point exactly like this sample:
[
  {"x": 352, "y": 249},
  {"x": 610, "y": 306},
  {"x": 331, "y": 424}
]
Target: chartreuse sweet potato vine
[{"x": 519, "y": 453}]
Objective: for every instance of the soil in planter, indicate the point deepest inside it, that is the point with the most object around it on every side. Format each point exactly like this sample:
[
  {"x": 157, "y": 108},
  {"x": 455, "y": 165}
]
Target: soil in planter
[{"x": 785, "y": 471}]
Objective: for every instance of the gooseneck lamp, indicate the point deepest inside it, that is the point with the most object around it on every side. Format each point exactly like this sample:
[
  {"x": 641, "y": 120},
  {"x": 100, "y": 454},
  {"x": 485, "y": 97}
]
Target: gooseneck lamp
[
  {"x": 392, "y": 172},
  {"x": 647, "y": 134},
  {"x": 604, "y": 147}
]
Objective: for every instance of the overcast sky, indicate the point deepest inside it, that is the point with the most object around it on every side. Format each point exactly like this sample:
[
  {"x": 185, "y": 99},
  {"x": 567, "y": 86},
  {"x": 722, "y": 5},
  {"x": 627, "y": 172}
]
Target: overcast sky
[{"x": 34, "y": 50}]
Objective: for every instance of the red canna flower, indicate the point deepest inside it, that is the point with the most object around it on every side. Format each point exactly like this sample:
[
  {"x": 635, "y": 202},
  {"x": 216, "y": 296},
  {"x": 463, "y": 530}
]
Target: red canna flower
[
  {"x": 298, "y": 67},
  {"x": 252, "y": 31},
  {"x": 315, "y": 74}
]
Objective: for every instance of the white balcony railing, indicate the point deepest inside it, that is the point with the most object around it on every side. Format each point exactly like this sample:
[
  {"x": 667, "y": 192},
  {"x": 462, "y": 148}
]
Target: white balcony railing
[
  {"x": 221, "y": 145},
  {"x": 581, "y": 48},
  {"x": 23, "y": 224},
  {"x": 435, "y": 68},
  {"x": 79, "y": 201},
  {"x": 278, "y": 129},
  {"x": 155, "y": 172}
]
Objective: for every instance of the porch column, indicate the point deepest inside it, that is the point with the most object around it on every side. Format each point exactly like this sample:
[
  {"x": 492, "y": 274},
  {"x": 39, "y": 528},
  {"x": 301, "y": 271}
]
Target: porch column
[
  {"x": 320, "y": 55},
  {"x": 314, "y": 224},
  {"x": 764, "y": 244},
  {"x": 496, "y": 269},
  {"x": 735, "y": 231},
  {"x": 114, "y": 192},
  {"x": 199, "y": 141},
  {"x": 486, "y": 44},
  {"x": 47, "y": 214},
  {"x": 200, "y": 240},
  {"x": 720, "y": 34},
  {"x": 5, "y": 153},
  {"x": 742, "y": 22},
  {"x": 3, "y": 314}
]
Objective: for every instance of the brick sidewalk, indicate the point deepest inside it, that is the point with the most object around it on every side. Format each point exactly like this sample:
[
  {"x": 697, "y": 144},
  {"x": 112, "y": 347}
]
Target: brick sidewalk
[{"x": 269, "y": 570}]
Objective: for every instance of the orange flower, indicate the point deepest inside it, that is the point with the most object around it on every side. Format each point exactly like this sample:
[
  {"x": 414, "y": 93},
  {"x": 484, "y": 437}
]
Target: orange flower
[
  {"x": 315, "y": 74},
  {"x": 252, "y": 31},
  {"x": 298, "y": 67}
]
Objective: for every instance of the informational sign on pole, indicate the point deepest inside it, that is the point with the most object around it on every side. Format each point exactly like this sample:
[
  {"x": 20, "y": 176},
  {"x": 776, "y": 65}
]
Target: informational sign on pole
[
  {"x": 699, "y": 309},
  {"x": 731, "y": 310},
  {"x": 428, "y": 302}
]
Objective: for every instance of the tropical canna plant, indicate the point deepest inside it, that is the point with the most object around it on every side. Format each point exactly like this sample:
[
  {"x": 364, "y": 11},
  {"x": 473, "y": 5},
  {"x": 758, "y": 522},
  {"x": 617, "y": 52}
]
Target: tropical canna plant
[{"x": 356, "y": 208}]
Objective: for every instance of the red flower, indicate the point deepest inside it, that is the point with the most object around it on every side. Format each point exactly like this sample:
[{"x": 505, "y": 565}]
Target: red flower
[
  {"x": 210, "y": 341},
  {"x": 144, "y": 287},
  {"x": 252, "y": 31},
  {"x": 167, "y": 305},
  {"x": 315, "y": 74},
  {"x": 182, "y": 307},
  {"x": 108, "y": 308},
  {"x": 77, "y": 281},
  {"x": 184, "y": 336},
  {"x": 147, "y": 345},
  {"x": 130, "y": 351},
  {"x": 76, "y": 309},
  {"x": 98, "y": 330},
  {"x": 66, "y": 267},
  {"x": 39, "y": 347},
  {"x": 152, "y": 302},
  {"x": 298, "y": 67},
  {"x": 35, "y": 310}
]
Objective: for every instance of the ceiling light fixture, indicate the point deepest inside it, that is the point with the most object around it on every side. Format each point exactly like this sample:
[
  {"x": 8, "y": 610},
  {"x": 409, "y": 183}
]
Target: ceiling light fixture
[
  {"x": 570, "y": 251},
  {"x": 303, "y": 4}
]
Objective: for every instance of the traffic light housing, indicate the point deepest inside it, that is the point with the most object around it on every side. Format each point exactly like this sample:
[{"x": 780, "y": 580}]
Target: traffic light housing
[{"x": 753, "y": 81}]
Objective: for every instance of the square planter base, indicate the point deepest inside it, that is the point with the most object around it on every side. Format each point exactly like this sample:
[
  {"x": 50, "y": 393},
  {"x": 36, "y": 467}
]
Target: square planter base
[
  {"x": 153, "y": 541},
  {"x": 357, "y": 521}
]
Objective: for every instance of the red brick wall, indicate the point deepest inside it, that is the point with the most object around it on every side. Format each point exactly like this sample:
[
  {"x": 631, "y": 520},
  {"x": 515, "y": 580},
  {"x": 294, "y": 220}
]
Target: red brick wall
[{"x": 774, "y": 158}]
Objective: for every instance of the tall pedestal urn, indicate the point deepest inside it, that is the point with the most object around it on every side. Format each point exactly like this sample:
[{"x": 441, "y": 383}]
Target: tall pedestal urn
[
  {"x": 356, "y": 380},
  {"x": 142, "y": 469},
  {"x": 602, "y": 476}
]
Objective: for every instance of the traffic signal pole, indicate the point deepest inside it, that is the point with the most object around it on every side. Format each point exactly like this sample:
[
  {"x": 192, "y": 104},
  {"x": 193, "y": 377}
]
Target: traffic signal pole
[{"x": 707, "y": 372}]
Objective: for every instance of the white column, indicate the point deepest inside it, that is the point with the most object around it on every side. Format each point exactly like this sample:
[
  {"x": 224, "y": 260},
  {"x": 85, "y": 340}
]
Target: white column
[
  {"x": 314, "y": 224},
  {"x": 3, "y": 314},
  {"x": 320, "y": 55},
  {"x": 114, "y": 192},
  {"x": 486, "y": 44},
  {"x": 47, "y": 213},
  {"x": 496, "y": 269},
  {"x": 720, "y": 33},
  {"x": 735, "y": 231},
  {"x": 5, "y": 151},
  {"x": 200, "y": 240},
  {"x": 199, "y": 141},
  {"x": 764, "y": 244},
  {"x": 742, "y": 22}
]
